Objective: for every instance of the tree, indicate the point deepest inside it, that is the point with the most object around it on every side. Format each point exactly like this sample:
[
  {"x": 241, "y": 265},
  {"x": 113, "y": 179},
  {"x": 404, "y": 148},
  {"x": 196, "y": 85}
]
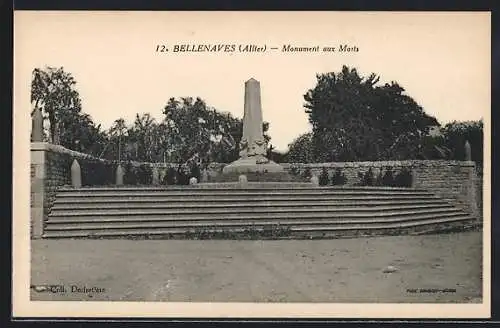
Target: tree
[
  {"x": 354, "y": 119},
  {"x": 146, "y": 139},
  {"x": 199, "y": 132},
  {"x": 53, "y": 91},
  {"x": 78, "y": 132},
  {"x": 275, "y": 155},
  {"x": 117, "y": 132},
  {"x": 300, "y": 150},
  {"x": 457, "y": 133}
]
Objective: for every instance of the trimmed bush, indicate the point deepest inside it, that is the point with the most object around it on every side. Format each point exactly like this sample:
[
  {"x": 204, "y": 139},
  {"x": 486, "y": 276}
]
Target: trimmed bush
[
  {"x": 169, "y": 178},
  {"x": 338, "y": 178},
  {"x": 96, "y": 173},
  {"x": 388, "y": 178},
  {"x": 367, "y": 178},
  {"x": 144, "y": 175},
  {"x": 196, "y": 172},
  {"x": 130, "y": 174},
  {"x": 181, "y": 177},
  {"x": 294, "y": 170},
  {"x": 137, "y": 174},
  {"x": 323, "y": 177},
  {"x": 403, "y": 178},
  {"x": 307, "y": 173}
]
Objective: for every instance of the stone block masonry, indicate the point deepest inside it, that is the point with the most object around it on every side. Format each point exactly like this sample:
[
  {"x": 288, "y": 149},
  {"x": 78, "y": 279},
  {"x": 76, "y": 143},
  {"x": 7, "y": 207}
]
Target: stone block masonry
[
  {"x": 458, "y": 182},
  {"x": 50, "y": 169}
]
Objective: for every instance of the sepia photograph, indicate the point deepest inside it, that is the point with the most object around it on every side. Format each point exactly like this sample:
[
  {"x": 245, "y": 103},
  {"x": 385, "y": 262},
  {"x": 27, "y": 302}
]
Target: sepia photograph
[{"x": 237, "y": 164}]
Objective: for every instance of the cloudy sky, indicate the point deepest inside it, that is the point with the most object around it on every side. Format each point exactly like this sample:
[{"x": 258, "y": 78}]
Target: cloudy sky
[{"x": 441, "y": 59}]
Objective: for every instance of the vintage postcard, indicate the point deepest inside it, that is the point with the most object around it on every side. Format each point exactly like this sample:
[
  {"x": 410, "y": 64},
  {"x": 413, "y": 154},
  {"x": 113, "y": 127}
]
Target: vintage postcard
[{"x": 251, "y": 164}]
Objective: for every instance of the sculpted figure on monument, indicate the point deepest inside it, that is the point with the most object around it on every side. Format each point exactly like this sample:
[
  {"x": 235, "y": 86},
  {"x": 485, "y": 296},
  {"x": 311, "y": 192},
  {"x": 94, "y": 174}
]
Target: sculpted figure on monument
[
  {"x": 258, "y": 147},
  {"x": 243, "y": 147}
]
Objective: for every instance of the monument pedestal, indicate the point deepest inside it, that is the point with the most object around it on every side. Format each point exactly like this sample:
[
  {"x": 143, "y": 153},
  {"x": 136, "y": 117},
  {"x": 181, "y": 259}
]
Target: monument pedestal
[{"x": 254, "y": 164}]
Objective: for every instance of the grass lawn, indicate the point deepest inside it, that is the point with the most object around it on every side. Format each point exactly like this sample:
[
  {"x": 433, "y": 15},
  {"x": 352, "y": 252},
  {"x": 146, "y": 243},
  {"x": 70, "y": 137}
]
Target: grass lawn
[{"x": 338, "y": 270}]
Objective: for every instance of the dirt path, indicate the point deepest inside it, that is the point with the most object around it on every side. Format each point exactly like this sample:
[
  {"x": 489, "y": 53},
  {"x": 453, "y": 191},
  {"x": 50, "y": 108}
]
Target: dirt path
[{"x": 341, "y": 270}]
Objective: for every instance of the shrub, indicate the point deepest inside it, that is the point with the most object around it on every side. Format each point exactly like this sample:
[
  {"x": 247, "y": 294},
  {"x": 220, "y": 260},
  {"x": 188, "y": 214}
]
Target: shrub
[
  {"x": 388, "y": 178},
  {"x": 87, "y": 172},
  {"x": 144, "y": 174},
  {"x": 130, "y": 175},
  {"x": 181, "y": 178},
  {"x": 169, "y": 178},
  {"x": 338, "y": 178},
  {"x": 323, "y": 177},
  {"x": 196, "y": 172},
  {"x": 307, "y": 173},
  {"x": 367, "y": 178},
  {"x": 96, "y": 173},
  {"x": 403, "y": 178},
  {"x": 294, "y": 170}
]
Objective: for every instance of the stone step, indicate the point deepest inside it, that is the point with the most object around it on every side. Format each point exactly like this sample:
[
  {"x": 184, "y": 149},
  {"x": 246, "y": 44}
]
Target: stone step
[
  {"x": 147, "y": 204},
  {"x": 320, "y": 211},
  {"x": 236, "y": 223},
  {"x": 241, "y": 192},
  {"x": 250, "y": 209},
  {"x": 214, "y": 187},
  {"x": 233, "y": 198},
  {"x": 295, "y": 230},
  {"x": 193, "y": 192},
  {"x": 126, "y": 210},
  {"x": 204, "y": 215}
]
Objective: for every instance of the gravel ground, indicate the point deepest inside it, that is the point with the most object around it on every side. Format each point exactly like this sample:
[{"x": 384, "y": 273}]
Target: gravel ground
[{"x": 429, "y": 268}]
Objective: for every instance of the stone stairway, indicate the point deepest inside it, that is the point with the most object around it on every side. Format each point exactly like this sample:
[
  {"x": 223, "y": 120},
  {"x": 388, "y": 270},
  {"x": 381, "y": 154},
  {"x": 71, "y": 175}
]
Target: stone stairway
[{"x": 286, "y": 212}]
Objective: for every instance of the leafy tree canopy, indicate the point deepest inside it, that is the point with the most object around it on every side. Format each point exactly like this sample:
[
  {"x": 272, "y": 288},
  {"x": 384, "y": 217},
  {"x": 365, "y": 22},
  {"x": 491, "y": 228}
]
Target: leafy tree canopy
[
  {"x": 354, "y": 119},
  {"x": 457, "y": 133},
  {"x": 53, "y": 91},
  {"x": 200, "y": 131}
]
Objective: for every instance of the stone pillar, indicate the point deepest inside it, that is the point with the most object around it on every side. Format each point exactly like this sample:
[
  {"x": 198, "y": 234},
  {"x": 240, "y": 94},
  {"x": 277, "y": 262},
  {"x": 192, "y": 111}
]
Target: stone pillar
[
  {"x": 252, "y": 145},
  {"x": 472, "y": 192},
  {"x": 37, "y": 126},
  {"x": 38, "y": 194},
  {"x": 204, "y": 175},
  {"x": 155, "y": 176},
  {"x": 468, "y": 151},
  {"x": 242, "y": 181},
  {"x": 76, "y": 174},
  {"x": 471, "y": 182},
  {"x": 414, "y": 177},
  {"x": 315, "y": 180},
  {"x": 119, "y": 175}
]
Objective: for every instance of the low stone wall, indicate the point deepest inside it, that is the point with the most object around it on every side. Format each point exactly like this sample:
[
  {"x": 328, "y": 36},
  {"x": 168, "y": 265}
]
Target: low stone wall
[
  {"x": 50, "y": 169},
  {"x": 479, "y": 189},
  {"x": 456, "y": 181},
  {"x": 459, "y": 182}
]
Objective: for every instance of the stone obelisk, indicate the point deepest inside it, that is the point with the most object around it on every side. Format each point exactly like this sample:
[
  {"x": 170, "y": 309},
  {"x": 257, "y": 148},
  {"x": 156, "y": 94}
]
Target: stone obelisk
[{"x": 252, "y": 145}]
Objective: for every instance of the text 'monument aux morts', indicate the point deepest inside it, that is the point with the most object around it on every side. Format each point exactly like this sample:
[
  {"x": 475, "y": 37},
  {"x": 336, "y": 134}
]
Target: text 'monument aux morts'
[{"x": 253, "y": 48}]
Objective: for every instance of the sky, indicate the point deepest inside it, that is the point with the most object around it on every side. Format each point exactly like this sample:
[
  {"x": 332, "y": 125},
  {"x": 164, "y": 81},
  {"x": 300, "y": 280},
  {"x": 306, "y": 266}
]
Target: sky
[{"x": 441, "y": 59}]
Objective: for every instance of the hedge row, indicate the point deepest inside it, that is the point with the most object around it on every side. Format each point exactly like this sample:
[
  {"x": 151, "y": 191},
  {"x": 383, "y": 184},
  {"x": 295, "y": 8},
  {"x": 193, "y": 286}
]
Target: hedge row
[
  {"x": 181, "y": 175},
  {"x": 97, "y": 173},
  {"x": 385, "y": 178}
]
